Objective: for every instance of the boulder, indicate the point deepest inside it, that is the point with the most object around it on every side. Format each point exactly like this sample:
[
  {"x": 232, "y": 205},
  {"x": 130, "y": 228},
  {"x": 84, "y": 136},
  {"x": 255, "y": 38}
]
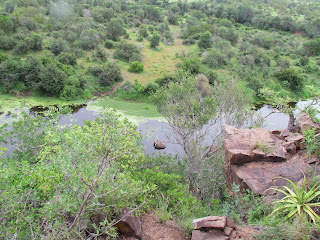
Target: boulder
[
  {"x": 129, "y": 225},
  {"x": 259, "y": 176},
  {"x": 304, "y": 122},
  {"x": 228, "y": 231},
  {"x": 212, "y": 222},
  {"x": 211, "y": 235},
  {"x": 246, "y": 233},
  {"x": 159, "y": 145},
  {"x": 255, "y": 158},
  {"x": 252, "y": 145}
]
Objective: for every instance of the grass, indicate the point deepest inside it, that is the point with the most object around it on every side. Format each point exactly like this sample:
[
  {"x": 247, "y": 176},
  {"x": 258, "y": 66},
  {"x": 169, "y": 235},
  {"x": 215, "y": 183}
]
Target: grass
[
  {"x": 136, "y": 112},
  {"x": 10, "y": 103},
  {"x": 157, "y": 62}
]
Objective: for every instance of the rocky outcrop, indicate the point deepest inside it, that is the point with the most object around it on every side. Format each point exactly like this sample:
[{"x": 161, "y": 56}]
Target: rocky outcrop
[
  {"x": 304, "y": 122},
  {"x": 159, "y": 145},
  {"x": 220, "y": 228},
  {"x": 129, "y": 225},
  {"x": 255, "y": 158},
  {"x": 214, "y": 222}
]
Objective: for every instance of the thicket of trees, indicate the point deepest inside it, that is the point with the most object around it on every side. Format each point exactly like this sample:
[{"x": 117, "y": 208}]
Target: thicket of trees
[
  {"x": 70, "y": 182},
  {"x": 250, "y": 40}
]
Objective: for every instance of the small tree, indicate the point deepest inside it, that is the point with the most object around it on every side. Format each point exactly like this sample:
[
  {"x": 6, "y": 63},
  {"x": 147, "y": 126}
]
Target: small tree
[
  {"x": 136, "y": 67},
  {"x": 110, "y": 73},
  {"x": 115, "y": 30},
  {"x": 192, "y": 114},
  {"x": 154, "y": 40},
  {"x": 125, "y": 51},
  {"x": 205, "y": 40},
  {"x": 52, "y": 79},
  {"x": 292, "y": 78}
]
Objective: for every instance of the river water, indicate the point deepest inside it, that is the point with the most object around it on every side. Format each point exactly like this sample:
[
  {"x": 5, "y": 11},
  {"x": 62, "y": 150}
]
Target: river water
[{"x": 156, "y": 129}]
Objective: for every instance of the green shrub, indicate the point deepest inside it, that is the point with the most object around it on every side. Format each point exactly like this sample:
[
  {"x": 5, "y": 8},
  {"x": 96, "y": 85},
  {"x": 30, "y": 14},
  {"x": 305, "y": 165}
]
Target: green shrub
[
  {"x": 192, "y": 65},
  {"x": 109, "y": 44},
  {"x": 312, "y": 47},
  {"x": 298, "y": 201},
  {"x": 67, "y": 58},
  {"x": 125, "y": 51},
  {"x": 312, "y": 141},
  {"x": 205, "y": 40},
  {"x": 110, "y": 73},
  {"x": 154, "y": 40},
  {"x": 151, "y": 88},
  {"x": 136, "y": 67},
  {"x": 6, "y": 42},
  {"x": 73, "y": 88},
  {"x": 292, "y": 77},
  {"x": 22, "y": 47}
]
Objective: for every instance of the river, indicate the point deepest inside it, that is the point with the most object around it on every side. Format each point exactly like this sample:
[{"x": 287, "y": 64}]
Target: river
[{"x": 152, "y": 129}]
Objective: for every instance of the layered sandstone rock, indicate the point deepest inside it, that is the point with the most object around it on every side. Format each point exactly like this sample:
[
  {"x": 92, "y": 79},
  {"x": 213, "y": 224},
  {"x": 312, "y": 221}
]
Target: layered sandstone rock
[
  {"x": 220, "y": 228},
  {"x": 255, "y": 158}
]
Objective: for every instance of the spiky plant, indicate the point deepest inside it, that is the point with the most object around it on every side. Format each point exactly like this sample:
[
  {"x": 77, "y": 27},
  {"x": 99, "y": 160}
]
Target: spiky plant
[{"x": 298, "y": 201}]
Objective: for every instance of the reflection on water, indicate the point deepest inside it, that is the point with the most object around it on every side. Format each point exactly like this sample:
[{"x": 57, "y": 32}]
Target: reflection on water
[{"x": 154, "y": 129}]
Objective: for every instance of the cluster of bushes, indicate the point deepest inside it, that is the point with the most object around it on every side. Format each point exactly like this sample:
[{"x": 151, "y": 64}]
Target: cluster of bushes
[{"x": 73, "y": 181}]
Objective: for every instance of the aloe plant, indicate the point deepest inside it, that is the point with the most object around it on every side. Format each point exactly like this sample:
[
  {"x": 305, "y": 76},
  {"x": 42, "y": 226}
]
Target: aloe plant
[{"x": 298, "y": 201}]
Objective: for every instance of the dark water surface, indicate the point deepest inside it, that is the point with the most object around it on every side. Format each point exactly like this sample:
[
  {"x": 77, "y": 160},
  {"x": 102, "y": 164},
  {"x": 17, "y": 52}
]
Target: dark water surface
[{"x": 154, "y": 129}]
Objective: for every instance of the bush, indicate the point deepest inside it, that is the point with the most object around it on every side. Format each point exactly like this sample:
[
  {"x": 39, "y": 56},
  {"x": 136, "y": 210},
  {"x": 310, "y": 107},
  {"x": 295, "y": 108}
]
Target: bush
[
  {"x": 166, "y": 80},
  {"x": 292, "y": 77},
  {"x": 109, "y": 44},
  {"x": 6, "y": 42},
  {"x": 205, "y": 40},
  {"x": 100, "y": 54},
  {"x": 110, "y": 73},
  {"x": 21, "y": 48},
  {"x": 211, "y": 75},
  {"x": 58, "y": 46},
  {"x": 67, "y": 58},
  {"x": 154, "y": 40},
  {"x": 52, "y": 79},
  {"x": 150, "y": 88},
  {"x": 188, "y": 41},
  {"x": 312, "y": 47},
  {"x": 192, "y": 65},
  {"x": 73, "y": 88},
  {"x": 126, "y": 50},
  {"x": 136, "y": 67},
  {"x": 89, "y": 39}
]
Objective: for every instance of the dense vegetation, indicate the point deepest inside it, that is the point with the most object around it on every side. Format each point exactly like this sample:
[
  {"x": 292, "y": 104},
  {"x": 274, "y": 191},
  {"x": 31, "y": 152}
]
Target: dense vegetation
[
  {"x": 67, "y": 44},
  {"x": 201, "y": 63}
]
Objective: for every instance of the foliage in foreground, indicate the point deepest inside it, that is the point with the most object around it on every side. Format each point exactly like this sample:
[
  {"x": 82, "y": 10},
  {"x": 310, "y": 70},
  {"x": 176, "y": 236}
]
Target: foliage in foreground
[
  {"x": 298, "y": 201},
  {"x": 69, "y": 182}
]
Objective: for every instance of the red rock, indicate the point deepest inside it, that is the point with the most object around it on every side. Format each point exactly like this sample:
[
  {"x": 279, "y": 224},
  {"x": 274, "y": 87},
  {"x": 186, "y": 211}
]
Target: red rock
[
  {"x": 277, "y": 155},
  {"x": 241, "y": 145},
  {"x": 234, "y": 234},
  {"x": 228, "y": 230},
  {"x": 290, "y": 147},
  {"x": 259, "y": 176},
  {"x": 130, "y": 225},
  {"x": 212, "y": 235},
  {"x": 285, "y": 133},
  {"x": 246, "y": 233},
  {"x": 159, "y": 145},
  {"x": 230, "y": 223},
  {"x": 304, "y": 122},
  {"x": 213, "y": 222},
  {"x": 258, "y": 155},
  {"x": 296, "y": 138}
]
